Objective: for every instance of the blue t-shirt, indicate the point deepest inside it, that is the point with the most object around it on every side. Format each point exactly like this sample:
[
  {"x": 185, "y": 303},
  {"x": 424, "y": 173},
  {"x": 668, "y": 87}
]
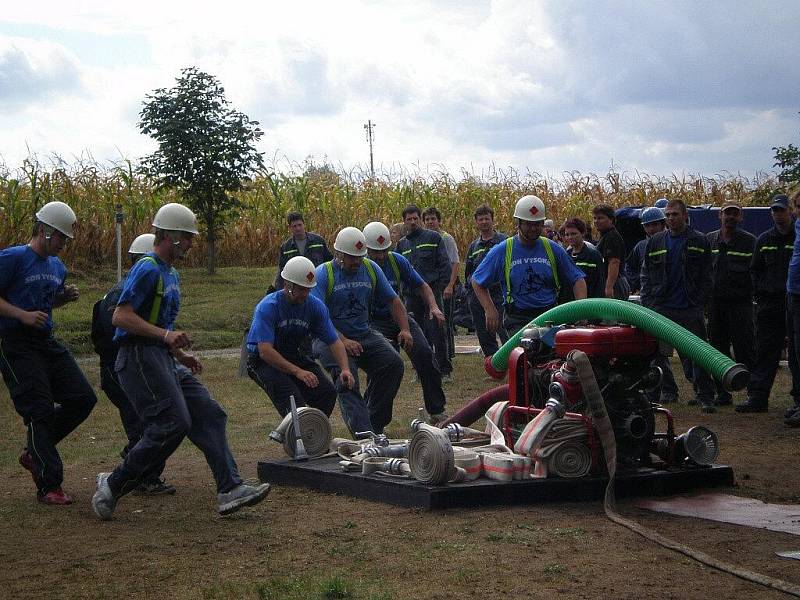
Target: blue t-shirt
[
  {"x": 532, "y": 283},
  {"x": 793, "y": 280},
  {"x": 278, "y": 322},
  {"x": 677, "y": 296},
  {"x": 139, "y": 290},
  {"x": 409, "y": 278},
  {"x": 349, "y": 302},
  {"x": 29, "y": 282}
]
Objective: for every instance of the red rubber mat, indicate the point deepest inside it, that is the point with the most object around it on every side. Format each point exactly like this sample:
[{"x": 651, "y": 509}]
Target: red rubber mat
[{"x": 731, "y": 509}]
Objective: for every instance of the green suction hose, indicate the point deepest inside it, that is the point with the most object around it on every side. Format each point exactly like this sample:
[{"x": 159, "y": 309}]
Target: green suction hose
[{"x": 733, "y": 376}]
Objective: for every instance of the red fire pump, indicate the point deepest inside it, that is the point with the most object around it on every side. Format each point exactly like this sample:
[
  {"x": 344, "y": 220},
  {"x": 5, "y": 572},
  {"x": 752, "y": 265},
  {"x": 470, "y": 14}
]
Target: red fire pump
[{"x": 621, "y": 357}]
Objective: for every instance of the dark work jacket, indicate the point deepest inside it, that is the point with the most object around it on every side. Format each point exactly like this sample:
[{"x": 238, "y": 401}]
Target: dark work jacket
[
  {"x": 695, "y": 263},
  {"x": 425, "y": 250},
  {"x": 476, "y": 252},
  {"x": 590, "y": 262},
  {"x": 770, "y": 266},
  {"x": 316, "y": 251},
  {"x": 730, "y": 266}
]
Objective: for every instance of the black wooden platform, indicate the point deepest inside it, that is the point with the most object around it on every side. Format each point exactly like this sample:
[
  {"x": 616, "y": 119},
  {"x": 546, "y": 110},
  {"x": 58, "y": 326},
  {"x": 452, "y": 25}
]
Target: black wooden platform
[{"x": 324, "y": 475}]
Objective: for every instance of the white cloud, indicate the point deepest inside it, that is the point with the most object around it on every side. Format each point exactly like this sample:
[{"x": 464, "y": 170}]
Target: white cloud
[{"x": 542, "y": 86}]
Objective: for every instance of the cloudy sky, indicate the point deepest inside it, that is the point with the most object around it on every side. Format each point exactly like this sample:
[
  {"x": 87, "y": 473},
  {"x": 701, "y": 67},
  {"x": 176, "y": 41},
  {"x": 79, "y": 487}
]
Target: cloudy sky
[{"x": 547, "y": 87}]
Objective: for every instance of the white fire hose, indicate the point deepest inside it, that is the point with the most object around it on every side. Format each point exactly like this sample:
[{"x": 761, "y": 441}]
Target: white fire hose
[
  {"x": 315, "y": 431},
  {"x": 606, "y": 433}
]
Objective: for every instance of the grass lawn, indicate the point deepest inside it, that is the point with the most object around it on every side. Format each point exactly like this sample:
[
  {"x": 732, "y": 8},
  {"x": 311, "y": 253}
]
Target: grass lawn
[
  {"x": 215, "y": 309},
  {"x": 300, "y": 544}
]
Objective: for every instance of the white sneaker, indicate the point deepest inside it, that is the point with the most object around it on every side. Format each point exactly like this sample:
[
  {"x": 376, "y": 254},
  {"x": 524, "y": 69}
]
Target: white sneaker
[
  {"x": 240, "y": 496},
  {"x": 103, "y": 501}
]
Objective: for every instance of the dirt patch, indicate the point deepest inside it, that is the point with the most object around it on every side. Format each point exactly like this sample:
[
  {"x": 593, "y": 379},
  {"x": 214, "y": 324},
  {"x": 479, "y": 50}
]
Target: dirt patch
[{"x": 301, "y": 544}]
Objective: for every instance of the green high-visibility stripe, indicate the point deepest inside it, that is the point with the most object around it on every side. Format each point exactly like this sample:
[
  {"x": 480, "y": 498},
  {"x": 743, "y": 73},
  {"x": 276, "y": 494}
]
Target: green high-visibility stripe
[
  {"x": 585, "y": 264},
  {"x": 772, "y": 247},
  {"x": 290, "y": 251},
  {"x": 409, "y": 251},
  {"x": 428, "y": 246},
  {"x": 395, "y": 268},
  {"x": 548, "y": 250},
  {"x": 315, "y": 246},
  {"x": 156, "y": 308},
  {"x": 478, "y": 251},
  {"x": 695, "y": 249},
  {"x": 657, "y": 252},
  {"x": 788, "y": 247}
]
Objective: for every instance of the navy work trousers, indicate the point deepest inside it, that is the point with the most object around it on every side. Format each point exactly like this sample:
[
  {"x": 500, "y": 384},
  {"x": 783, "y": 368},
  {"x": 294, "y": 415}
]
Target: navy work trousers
[
  {"x": 421, "y": 357},
  {"x": 773, "y": 324},
  {"x": 51, "y": 395},
  {"x": 384, "y": 369},
  {"x": 172, "y": 404},
  {"x": 279, "y": 385}
]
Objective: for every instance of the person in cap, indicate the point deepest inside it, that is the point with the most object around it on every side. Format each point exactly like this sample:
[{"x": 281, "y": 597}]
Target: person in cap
[
  {"x": 676, "y": 282},
  {"x": 158, "y": 376},
  {"x": 530, "y": 269},
  {"x": 427, "y": 252},
  {"x": 405, "y": 280},
  {"x": 769, "y": 271},
  {"x": 47, "y": 388},
  {"x": 793, "y": 289},
  {"x": 612, "y": 248},
  {"x": 352, "y": 286},
  {"x": 488, "y": 237},
  {"x": 300, "y": 243},
  {"x": 586, "y": 258},
  {"x": 106, "y": 348},
  {"x": 730, "y": 309},
  {"x": 653, "y": 221},
  {"x": 278, "y": 362}
]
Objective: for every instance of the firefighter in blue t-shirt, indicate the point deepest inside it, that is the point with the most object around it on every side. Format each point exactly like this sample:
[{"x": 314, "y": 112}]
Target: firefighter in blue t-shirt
[
  {"x": 404, "y": 279},
  {"x": 530, "y": 270},
  {"x": 277, "y": 360},
  {"x": 158, "y": 376},
  {"x": 351, "y": 286},
  {"x": 48, "y": 389}
]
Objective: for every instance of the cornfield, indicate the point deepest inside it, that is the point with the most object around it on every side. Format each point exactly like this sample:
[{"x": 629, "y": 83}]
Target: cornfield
[{"x": 329, "y": 200}]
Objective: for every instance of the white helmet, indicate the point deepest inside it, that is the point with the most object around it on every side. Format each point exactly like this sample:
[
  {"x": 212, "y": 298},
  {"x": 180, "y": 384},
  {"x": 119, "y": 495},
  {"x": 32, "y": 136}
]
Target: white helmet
[
  {"x": 58, "y": 216},
  {"x": 301, "y": 271},
  {"x": 175, "y": 217},
  {"x": 351, "y": 241},
  {"x": 377, "y": 236},
  {"x": 529, "y": 208},
  {"x": 142, "y": 244}
]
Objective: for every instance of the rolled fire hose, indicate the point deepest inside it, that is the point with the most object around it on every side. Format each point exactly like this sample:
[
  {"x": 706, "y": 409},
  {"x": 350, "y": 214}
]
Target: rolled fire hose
[
  {"x": 431, "y": 456},
  {"x": 566, "y": 459},
  {"x": 731, "y": 375},
  {"x": 315, "y": 430},
  {"x": 606, "y": 433},
  {"x": 469, "y": 460},
  {"x": 534, "y": 433}
]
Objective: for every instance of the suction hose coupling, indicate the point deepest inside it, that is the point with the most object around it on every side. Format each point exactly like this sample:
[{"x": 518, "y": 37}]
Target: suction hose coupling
[{"x": 735, "y": 378}]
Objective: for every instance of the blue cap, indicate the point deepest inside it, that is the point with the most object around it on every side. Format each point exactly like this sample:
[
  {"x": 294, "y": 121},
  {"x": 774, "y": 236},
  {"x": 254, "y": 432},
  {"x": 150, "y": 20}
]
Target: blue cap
[
  {"x": 652, "y": 214},
  {"x": 661, "y": 203},
  {"x": 781, "y": 200}
]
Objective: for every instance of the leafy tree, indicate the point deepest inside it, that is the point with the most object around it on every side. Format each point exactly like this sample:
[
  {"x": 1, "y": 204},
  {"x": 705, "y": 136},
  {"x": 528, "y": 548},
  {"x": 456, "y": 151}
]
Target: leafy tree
[
  {"x": 206, "y": 149},
  {"x": 788, "y": 159}
]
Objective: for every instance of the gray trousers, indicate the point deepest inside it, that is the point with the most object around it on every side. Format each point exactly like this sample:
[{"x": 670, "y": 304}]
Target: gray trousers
[
  {"x": 172, "y": 404},
  {"x": 384, "y": 369}
]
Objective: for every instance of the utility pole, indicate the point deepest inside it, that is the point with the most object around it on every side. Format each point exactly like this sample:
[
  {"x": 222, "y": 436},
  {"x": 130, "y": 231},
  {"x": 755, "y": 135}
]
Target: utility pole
[{"x": 369, "y": 126}]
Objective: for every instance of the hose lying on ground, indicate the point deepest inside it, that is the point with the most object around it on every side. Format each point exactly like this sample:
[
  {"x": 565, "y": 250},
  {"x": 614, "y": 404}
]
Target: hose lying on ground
[
  {"x": 315, "y": 430},
  {"x": 608, "y": 442},
  {"x": 731, "y": 375}
]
